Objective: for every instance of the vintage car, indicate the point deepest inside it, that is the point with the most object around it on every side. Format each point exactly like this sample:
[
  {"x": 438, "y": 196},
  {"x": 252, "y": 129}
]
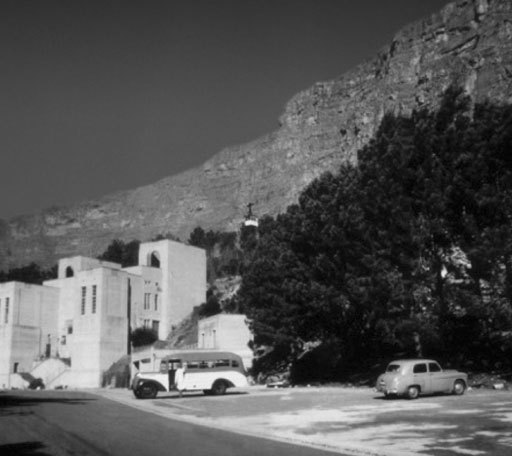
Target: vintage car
[{"x": 412, "y": 377}]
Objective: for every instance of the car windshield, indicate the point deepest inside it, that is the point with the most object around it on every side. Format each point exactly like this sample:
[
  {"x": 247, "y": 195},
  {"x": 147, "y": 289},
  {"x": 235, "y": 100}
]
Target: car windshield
[{"x": 393, "y": 368}]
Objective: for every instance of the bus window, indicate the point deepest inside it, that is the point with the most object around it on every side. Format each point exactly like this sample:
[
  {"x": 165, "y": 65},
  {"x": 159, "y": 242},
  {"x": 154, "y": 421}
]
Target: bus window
[
  {"x": 235, "y": 363},
  {"x": 222, "y": 363}
]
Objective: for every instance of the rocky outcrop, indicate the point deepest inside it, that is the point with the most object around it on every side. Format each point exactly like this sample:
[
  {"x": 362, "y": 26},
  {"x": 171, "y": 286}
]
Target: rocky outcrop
[{"x": 468, "y": 43}]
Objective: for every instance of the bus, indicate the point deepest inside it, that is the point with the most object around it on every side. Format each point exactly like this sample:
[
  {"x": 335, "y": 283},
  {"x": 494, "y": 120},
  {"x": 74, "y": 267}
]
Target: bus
[{"x": 213, "y": 372}]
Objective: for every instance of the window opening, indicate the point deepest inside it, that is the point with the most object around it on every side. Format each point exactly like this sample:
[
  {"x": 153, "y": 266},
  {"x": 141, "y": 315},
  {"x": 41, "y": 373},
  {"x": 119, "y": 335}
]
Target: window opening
[
  {"x": 434, "y": 367},
  {"x": 6, "y": 310},
  {"x": 420, "y": 369},
  {"x": 84, "y": 295},
  {"x": 94, "y": 289},
  {"x": 155, "y": 325},
  {"x": 154, "y": 260}
]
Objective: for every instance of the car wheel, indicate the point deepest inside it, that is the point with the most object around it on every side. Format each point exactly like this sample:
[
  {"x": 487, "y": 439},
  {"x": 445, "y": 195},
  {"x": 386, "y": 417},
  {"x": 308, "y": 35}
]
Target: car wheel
[
  {"x": 413, "y": 392},
  {"x": 147, "y": 391},
  {"x": 219, "y": 388},
  {"x": 459, "y": 387}
]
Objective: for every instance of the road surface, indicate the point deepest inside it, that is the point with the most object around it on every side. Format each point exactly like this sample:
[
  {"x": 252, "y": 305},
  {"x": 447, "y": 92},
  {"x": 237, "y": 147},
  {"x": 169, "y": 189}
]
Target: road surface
[{"x": 56, "y": 423}]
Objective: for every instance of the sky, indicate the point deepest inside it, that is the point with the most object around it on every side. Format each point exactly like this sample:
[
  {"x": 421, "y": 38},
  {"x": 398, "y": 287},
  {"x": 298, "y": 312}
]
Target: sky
[{"x": 100, "y": 96}]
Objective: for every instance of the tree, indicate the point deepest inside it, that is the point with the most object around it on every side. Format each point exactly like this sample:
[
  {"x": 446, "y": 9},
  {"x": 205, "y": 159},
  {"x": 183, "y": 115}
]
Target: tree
[
  {"x": 32, "y": 273},
  {"x": 143, "y": 336},
  {"x": 125, "y": 254},
  {"x": 407, "y": 254},
  {"x": 223, "y": 255}
]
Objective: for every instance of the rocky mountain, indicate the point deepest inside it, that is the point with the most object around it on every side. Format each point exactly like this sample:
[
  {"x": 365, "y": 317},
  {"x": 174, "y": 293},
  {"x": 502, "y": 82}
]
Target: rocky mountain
[{"x": 468, "y": 43}]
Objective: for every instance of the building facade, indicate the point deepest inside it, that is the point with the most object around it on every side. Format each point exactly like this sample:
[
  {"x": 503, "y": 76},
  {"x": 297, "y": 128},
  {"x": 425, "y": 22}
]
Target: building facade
[
  {"x": 28, "y": 327},
  {"x": 84, "y": 317},
  {"x": 228, "y": 332}
]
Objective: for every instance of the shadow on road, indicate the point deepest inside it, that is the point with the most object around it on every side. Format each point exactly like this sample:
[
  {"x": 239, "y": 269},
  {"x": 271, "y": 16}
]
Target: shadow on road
[
  {"x": 24, "y": 449},
  {"x": 13, "y": 403},
  {"x": 186, "y": 395}
]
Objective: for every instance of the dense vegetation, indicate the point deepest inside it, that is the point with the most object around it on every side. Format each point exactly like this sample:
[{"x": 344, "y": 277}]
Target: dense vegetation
[
  {"x": 32, "y": 273},
  {"x": 124, "y": 253},
  {"x": 408, "y": 254},
  {"x": 142, "y": 336},
  {"x": 223, "y": 254}
]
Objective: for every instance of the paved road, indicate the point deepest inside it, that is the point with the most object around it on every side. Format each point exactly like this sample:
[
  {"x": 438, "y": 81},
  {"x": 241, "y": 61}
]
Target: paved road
[
  {"x": 55, "y": 423},
  {"x": 354, "y": 421}
]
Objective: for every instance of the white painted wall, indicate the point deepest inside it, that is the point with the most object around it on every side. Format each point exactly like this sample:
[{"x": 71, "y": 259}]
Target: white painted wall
[
  {"x": 229, "y": 332},
  {"x": 183, "y": 280},
  {"x": 31, "y": 324}
]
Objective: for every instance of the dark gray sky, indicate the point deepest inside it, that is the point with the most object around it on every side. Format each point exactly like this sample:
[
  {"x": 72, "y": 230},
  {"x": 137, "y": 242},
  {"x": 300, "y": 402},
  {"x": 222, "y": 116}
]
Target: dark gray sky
[{"x": 100, "y": 96}]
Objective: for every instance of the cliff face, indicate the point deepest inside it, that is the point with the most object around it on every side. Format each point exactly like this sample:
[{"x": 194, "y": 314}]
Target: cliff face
[{"x": 468, "y": 43}]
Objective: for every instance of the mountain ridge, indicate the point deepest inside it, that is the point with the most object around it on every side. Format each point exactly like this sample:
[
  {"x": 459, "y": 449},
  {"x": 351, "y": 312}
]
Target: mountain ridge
[{"x": 468, "y": 43}]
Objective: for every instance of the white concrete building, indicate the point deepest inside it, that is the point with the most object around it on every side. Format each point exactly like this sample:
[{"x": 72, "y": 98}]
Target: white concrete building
[
  {"x": 28, "y": 327},
  {"x": 87, "y": 312},
  {"x": 228, "y": 332}
]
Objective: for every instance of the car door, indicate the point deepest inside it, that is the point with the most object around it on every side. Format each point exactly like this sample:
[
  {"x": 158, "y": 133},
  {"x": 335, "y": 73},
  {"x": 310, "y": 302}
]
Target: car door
[
  {"x": 173, "y": 366},
  {"x": 437, "y": 379},
  {"x": 442, "y": 381},
  {"x": 421, "y": 377}
]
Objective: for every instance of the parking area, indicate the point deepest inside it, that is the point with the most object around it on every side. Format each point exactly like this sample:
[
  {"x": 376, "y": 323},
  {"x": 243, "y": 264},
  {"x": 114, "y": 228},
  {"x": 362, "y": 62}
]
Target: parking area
[{"x": 350, "y": 420}]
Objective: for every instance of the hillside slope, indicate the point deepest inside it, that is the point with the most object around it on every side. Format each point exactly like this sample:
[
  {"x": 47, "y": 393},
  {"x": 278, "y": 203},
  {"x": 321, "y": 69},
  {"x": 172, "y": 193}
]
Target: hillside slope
[{"x": 468, "y": 43}]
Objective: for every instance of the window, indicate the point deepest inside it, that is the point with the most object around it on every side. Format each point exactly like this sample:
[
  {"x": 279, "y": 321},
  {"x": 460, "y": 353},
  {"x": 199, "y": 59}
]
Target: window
[
  {"x": 84, "y": 294},
  {"x": 221, "y": 362},
  {"x": 146, "y": 323},
  {"x": 155, "y": 326},
  {"x": 69, "y": 272},
  {"x": 94, "y": 288},
  {"x": 147, "y": 298},
  {"x": 154, "y": 260},
  {"x": 6, "y": 310},
  {"x": 420, "y": 368},
  {"x": 434, "y": 367},
  {"x": 156, "y": 302}
]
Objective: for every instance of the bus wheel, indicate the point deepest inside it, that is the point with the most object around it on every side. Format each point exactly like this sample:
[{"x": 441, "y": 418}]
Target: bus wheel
[
  {"x": 219, "y": 388},
  {"x": 147, "y": 391}
]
